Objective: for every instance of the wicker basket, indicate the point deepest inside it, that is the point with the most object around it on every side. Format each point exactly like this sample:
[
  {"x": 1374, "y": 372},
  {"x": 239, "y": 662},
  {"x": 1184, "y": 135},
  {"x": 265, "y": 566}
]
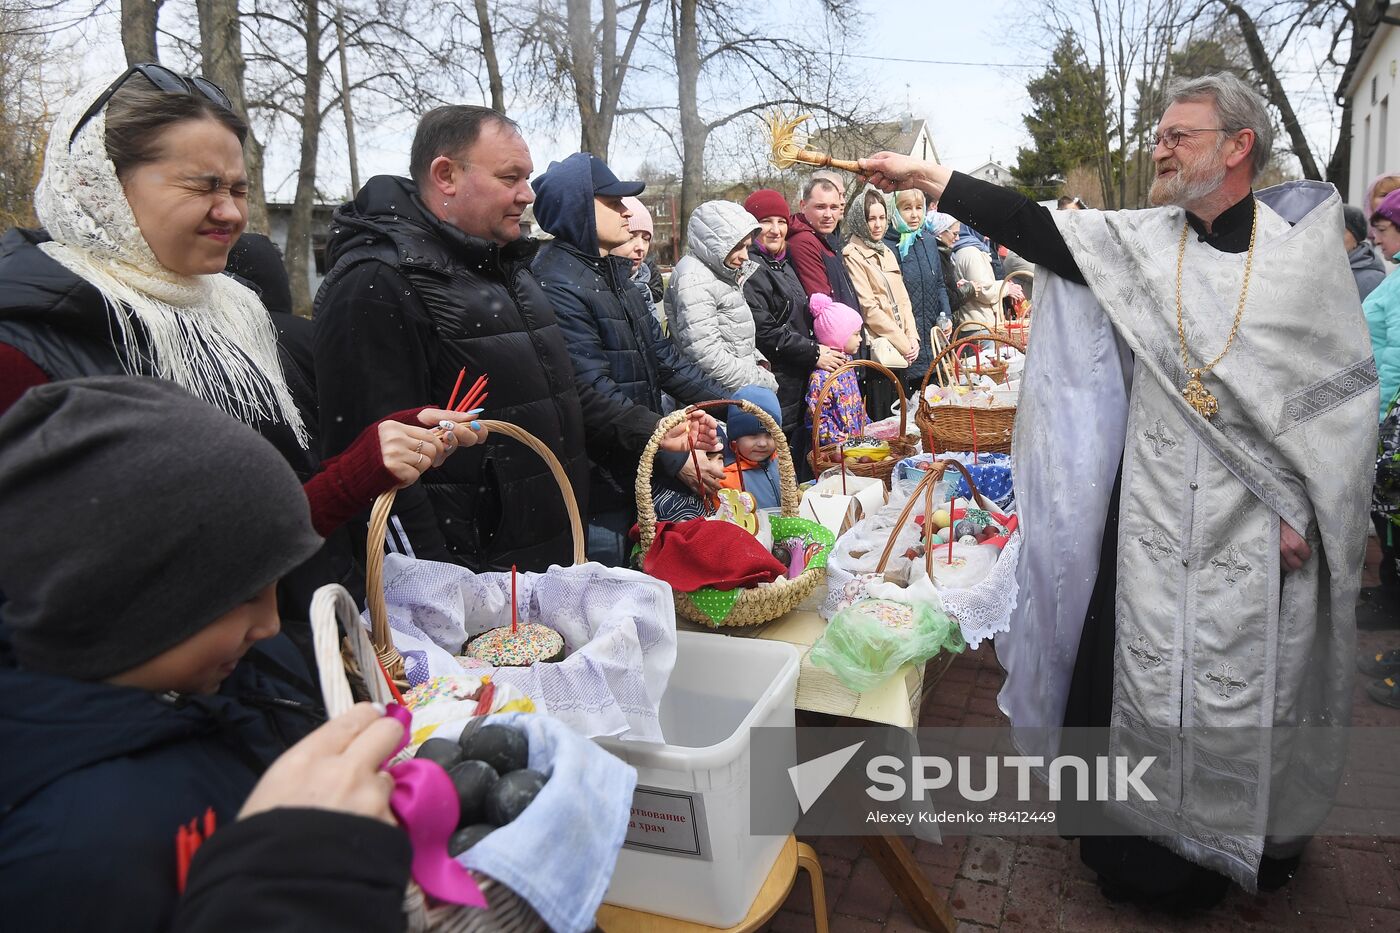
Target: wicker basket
[
  {"x": 826, "y": 456},
  {"x": 926, "y": 485},
  {"x": 756, "y": 605},
  {"x": 333, "y": 611},
  {"x": 379, "y": 522},
  {"x": 1015, "y": 330},
  {"x": 959, "y": 427},
  {"x": 973, "y": 331}
]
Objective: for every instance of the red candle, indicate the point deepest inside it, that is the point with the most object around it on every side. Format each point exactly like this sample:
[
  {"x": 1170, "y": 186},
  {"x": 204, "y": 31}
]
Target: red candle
[
  {"x": 843, "y": 474},
  {"x": 972, "y": 416},
  {"x": 453, "y": 399},
  {"x": 952, "y": 509},
  {"x": 512, "y": 599}
]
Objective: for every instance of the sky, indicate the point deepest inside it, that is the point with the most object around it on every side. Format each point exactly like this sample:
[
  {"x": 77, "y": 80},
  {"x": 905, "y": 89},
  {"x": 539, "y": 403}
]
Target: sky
[{"x": 964, "y": 71}]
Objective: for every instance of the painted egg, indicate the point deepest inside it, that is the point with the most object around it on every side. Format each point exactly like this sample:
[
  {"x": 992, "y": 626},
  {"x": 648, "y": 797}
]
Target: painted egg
[
  {"x": 967, "y": 539},
  {"x": 940, "y": 518}
]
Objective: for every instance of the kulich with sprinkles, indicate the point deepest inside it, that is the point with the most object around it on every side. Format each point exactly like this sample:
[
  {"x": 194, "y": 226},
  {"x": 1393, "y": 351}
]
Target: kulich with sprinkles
[{"x": 530, "y": 642}]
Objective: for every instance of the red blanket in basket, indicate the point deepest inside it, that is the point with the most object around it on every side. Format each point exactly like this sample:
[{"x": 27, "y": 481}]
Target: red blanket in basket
[{"x": 699, "y": 553}]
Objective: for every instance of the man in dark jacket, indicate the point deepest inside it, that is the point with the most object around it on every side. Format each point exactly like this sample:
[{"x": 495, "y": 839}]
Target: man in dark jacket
[
  {"x": 815, "y": 245},
  {"x": 1366, "y": 266},
  {"x": 429, "y": 276},
  {"x": 617, "y": 347}
]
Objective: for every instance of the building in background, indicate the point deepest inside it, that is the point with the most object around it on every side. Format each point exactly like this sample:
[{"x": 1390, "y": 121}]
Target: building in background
[
  {"x": 1371, "y": 87},
  {"x": 994, "y": 172}
]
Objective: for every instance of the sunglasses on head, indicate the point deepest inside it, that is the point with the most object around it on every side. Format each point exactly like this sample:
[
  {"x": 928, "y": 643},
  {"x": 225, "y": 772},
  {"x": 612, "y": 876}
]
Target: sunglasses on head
[{"x": 171, "y": 82}]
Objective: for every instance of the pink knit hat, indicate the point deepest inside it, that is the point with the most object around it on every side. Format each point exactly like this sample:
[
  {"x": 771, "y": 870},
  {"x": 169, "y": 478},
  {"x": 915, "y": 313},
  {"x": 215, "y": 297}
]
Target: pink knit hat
[
  {"x": 833, "y": 322},
  {"x": 640, "y": 221}
]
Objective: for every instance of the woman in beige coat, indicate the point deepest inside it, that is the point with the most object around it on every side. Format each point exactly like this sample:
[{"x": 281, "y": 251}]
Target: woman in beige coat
[{"x": 884, "y": 303}]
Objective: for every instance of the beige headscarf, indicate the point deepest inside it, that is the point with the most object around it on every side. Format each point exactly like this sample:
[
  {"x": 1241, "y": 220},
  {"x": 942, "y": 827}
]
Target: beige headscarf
[{"x": 206, "y": 333}]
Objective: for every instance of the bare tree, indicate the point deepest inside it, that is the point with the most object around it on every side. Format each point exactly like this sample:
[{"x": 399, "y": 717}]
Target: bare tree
[
  {"x": 221, "y": 52},
  {"x": 566, "y": 48},
  {"x": 139, "y": 19},
  {"x": 488, "y": 55},
  {"x": 730, "y": 66},
  {"x": 24, "y": 113}
]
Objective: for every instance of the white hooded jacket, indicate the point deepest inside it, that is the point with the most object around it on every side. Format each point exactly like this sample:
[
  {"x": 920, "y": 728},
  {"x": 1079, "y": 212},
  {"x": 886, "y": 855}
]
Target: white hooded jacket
[{"x": 710, "y": 321}]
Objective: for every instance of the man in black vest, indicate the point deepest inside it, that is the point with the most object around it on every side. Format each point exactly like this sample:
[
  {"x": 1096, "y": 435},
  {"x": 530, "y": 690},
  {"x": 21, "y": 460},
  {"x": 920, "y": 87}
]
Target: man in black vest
[{"x": 430, "y": 275}]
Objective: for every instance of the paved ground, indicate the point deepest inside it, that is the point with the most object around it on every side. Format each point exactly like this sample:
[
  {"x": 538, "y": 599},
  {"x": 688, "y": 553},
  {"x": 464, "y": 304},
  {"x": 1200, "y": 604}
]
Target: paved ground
[{"x": 1038, "y": 883}]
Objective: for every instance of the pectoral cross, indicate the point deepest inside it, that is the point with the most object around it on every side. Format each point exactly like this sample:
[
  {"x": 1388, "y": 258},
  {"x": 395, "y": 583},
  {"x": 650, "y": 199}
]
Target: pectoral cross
[{"x": 1199, "y": 397}]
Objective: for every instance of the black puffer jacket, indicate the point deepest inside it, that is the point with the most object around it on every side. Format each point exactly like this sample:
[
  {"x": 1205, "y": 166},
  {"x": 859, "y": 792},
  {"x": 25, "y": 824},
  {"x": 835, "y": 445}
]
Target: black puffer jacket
[
  {"x": 783, "y": 328},
  {"x": 408, "y": 303},
  {"x": 619, "y": 352}
]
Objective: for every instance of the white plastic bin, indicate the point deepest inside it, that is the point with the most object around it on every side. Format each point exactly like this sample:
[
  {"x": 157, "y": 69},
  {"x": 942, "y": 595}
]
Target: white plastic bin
[{"x": 689, "y": 852}]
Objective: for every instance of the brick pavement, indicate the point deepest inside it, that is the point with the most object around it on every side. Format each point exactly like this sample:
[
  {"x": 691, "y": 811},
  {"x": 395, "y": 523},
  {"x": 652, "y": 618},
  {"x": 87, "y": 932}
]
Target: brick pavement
[{"x": 1037, "y": 883}]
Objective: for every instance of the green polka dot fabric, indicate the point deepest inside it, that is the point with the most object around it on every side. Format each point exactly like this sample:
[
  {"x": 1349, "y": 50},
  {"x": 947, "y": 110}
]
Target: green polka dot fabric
[
  {"x": 809, "y": 531},
  {"x": 715, "y": 603}
]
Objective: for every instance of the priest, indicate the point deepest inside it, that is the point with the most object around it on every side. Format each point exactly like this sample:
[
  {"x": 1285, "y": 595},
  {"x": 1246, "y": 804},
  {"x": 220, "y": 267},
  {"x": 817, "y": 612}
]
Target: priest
[{"x": 1194, "y": 448}]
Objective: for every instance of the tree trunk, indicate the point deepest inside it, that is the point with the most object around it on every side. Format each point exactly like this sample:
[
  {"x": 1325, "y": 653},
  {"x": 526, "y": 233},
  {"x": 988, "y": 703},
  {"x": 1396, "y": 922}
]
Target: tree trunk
[
  {"x": 299, "y": 226},
  {"x": 345, "y": 101},
  {"x": 221, "y": 42},
  {"x": 1264, "y": 67},
  {"x": 1365, "y": 17},
  {"x": 139, "y": 19},
  {"x": 579, "y": 26},
  {"x": 488, "y": 52},
  {"x": 694, "y": 132}
]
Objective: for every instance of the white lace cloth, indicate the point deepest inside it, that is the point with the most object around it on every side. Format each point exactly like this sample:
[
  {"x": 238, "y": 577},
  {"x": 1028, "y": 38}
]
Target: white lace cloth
[
  {"x": 981, "y": 611},
  {"x": 619, "y": 628}
]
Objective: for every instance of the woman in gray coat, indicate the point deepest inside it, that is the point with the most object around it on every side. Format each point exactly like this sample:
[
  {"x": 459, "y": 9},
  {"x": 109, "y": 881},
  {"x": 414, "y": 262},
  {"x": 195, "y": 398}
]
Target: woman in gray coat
[{"x": 710, "y": 321}]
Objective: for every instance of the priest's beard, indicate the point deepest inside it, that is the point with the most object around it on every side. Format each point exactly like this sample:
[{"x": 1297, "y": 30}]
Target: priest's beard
[{"x": 1190, "y": 184}]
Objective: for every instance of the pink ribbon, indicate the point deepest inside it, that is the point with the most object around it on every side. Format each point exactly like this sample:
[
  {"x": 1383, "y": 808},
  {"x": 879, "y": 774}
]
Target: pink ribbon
[{"x": 425, "y": 803}]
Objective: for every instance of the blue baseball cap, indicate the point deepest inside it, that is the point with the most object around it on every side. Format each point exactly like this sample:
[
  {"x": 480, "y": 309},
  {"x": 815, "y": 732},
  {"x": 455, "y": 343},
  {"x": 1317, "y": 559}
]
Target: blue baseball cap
[{"x": 607, "y": 184}]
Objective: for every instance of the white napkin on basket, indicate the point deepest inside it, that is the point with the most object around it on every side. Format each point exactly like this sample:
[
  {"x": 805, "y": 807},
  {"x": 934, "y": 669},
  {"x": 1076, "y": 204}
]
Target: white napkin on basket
[{"x": 559, "y": 854}]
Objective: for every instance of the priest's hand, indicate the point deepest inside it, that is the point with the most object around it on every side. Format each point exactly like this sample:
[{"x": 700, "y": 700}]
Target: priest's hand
[
  {"x": 890, "y": 171},
  {"x": 1292, "y": 549}
]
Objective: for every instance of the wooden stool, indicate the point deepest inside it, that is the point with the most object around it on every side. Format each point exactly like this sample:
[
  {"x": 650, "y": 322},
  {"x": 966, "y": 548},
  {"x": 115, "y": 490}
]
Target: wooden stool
[{"x": 770, "y": 897}]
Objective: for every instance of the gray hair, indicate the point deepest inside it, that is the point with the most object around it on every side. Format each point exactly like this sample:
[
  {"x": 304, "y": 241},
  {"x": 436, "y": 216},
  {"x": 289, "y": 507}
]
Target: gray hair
[
  {"x": 1238, "y": 105},
  {"x": 814, "y": 183}
]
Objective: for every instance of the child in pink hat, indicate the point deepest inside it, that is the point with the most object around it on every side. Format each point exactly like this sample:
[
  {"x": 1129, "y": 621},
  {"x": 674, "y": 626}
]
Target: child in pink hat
[{"x": 843, "y": 415}]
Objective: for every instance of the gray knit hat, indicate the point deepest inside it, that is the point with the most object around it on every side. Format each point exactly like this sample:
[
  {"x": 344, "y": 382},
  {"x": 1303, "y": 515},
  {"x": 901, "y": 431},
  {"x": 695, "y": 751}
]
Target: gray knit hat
[
  {"x": 132, "y": 515},
  {"x": 1355, "y": 220}
]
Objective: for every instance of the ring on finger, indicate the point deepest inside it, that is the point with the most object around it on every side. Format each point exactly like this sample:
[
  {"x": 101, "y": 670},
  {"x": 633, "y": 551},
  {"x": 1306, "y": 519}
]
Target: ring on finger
[
  {"x": 419, "y": 462},
  {"x": 419, "y": 448}
]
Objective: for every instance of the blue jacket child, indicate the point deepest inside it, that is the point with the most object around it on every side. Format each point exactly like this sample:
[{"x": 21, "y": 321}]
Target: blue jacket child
[
  {"x": 751, "y": 461},
  {"x": 143, "y": 682}
]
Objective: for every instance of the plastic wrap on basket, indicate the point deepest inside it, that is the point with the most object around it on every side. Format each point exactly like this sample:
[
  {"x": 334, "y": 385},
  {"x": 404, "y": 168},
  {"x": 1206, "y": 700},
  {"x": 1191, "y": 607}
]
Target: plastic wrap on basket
[{"x": 991, "y": 472}]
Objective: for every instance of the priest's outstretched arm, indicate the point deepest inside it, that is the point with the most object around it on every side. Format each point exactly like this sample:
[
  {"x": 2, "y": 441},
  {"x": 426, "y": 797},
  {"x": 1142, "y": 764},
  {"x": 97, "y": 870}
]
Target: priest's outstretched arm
[{"x": 1008, "y": 217}]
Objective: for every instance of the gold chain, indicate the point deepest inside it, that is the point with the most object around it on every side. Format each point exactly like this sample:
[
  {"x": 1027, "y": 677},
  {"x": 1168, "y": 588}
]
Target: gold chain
[{"x": 1196, "y": 394}]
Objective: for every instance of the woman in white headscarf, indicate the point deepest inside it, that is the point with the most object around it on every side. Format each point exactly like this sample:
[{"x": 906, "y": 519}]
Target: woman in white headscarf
[{"x": 143, "y": 194}]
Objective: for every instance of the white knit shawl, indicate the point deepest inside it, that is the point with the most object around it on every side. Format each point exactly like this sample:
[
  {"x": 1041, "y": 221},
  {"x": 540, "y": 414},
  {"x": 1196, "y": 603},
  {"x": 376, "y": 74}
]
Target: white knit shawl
[{"x": 206, "y": 333}]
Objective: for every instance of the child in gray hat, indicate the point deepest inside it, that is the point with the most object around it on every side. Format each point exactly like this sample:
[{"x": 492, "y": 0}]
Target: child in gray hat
[{"x": 142, "y": 533}]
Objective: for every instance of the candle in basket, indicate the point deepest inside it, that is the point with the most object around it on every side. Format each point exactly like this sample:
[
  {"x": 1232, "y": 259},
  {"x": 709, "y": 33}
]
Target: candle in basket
[
  {"x": 952, "y": 511},
  {"x": 517, "y": 645}
]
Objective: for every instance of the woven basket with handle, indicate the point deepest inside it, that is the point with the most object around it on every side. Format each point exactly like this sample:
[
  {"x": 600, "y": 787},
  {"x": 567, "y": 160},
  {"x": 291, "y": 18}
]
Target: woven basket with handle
[
  {"x": 333, "y": 611},
  {"x": 1016, "y": 330},
  {"x": 755, "y": 605},
  {"x": 961, "y": 427},
  {"x": 826, "y": 456},
  {"x": 380, "y": 634}
]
